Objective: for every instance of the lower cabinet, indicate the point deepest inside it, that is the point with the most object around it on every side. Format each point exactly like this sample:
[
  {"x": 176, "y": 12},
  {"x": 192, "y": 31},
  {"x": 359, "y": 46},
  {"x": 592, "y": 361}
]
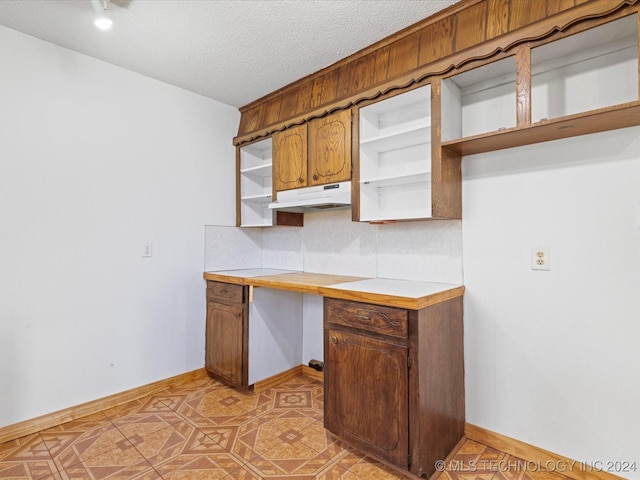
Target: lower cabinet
[
  {"x": 365, "y": 410},
  {"x": 227, "y": 321},
  {"x": 250, "y": 342},
  {"x": 394, "y": 380}
]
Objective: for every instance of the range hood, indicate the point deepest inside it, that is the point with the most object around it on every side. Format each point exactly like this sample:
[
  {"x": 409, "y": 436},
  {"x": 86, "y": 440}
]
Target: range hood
[{"x": 321, "y": 197}]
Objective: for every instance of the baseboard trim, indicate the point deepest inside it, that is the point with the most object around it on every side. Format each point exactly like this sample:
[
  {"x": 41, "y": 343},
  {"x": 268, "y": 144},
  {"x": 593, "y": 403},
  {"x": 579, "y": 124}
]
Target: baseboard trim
[
  {"x": 313, "y": 373},
  {"x": 27, "y": 427},
  {"x": 277, "y": 379},
  {"x": 531, "y": 453},
  {"x": 287, "y": 375}
]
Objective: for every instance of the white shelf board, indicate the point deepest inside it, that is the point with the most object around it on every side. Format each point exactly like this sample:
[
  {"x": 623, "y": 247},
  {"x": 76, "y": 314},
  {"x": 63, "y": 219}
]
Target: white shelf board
[
  {"x": 258, "y": 171},
  {"x": 398, "y": 139},
  {"x": 398, "y": 214},
  {"x": 261, "y": 198},
  {"x": 395, "y": 202},
  {"x": 418, "y": 177},
  {"x": 256, "y": 224}
]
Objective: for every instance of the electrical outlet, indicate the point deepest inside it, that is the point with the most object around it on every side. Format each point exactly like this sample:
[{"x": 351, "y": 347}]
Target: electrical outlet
[
  {"x": 148, "y": 249},
  {"x": 540, "y": 258}
]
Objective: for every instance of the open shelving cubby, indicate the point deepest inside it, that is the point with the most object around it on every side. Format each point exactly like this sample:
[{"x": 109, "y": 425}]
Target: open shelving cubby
[
  {"x": 395, "y": 157},
  {"x": 581, "y": 83},
  {"x": 479, "y": 101},
  {"x": 590, "y": 70},
  {"x": 256, "y": 184}
]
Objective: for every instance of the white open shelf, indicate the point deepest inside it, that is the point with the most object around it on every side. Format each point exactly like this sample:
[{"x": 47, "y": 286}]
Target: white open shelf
[
  {"x": 395, "y": 157},
  {"x": 256, "y": 184},
  {"x": 261, "y": 198},
  {"x": 590, "y": 70},
  {"x": 479, "y": 101},
  {"x": 264, "y": 170},
  {"x": 581, "y": 73},
  {"x": 401, "y": 138},
  {"x": 401, "y": 201},
  {"x": 255, "y": 214},
  {"x": 424, "y": 177}
]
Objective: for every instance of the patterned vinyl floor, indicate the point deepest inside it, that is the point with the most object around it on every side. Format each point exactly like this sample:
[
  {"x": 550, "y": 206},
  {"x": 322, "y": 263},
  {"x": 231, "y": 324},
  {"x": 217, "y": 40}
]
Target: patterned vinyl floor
[{"x": 204, "y": 430}]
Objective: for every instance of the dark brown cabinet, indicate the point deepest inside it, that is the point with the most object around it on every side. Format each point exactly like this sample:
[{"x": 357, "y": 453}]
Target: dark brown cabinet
[
  {"x": 226, "y": 355},
  {"x": 394, "y": 380},
  {"x": 373, "y": 411}
]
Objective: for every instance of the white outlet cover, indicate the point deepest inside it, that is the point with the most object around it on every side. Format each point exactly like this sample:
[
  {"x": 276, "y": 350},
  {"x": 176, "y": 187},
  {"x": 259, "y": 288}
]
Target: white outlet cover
[{"x": 540, "y": 258}]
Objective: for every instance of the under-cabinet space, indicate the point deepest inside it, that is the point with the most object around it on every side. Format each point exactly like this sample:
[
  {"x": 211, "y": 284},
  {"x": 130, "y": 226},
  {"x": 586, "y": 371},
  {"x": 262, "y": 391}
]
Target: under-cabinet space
[
  {"x": 479, "y": 101},
  {"x": 251, "y": 341},
  {"x": 395, "y": 199},
  {"x": 395, "y": 157},
  {"x": 593, "y": 69},
  {"x": 255, "y": 184},
  {"x": 275, "y": 333}
]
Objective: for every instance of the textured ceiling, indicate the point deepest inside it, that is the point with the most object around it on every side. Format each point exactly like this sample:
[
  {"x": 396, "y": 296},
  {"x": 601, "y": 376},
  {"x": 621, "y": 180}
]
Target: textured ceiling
[{"x": 234, "y": 51}]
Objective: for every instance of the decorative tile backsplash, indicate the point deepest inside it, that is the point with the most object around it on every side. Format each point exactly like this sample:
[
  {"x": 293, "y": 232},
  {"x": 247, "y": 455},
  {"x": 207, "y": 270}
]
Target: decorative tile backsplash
[
  {"x": 231, "y": 248},
  {"x": 335, "y": 244},
  {"x": 282, "y": 248},
  {"x": 330, "y": 242},
  {"x": 423, "y": 251}
]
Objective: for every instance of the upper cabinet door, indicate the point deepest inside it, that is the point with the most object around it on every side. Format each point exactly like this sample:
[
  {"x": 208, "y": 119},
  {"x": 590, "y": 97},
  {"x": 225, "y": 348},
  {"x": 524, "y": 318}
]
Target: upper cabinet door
[
  {"x": 330, "y": 148},
  {"x": 290, "y": 158}
]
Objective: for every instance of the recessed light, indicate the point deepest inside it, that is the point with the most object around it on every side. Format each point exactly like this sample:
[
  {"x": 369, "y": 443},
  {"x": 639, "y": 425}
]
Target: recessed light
[{"x": 103, "y": 22}]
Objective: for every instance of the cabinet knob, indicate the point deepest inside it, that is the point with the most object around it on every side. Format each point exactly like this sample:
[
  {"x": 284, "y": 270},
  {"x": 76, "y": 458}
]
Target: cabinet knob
[
  {"x": 334, "y": 340},
  {"x": 300, "y": 180},
  {"x": 315, "y": 177},
  {"x": 223, "y": 292},
  {"x": 237, "y": 315}
]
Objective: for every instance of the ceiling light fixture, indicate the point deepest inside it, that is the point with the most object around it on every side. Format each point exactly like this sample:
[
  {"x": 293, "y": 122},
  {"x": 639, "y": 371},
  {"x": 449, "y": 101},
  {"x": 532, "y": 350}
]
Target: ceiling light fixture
[{"x": 102, "y": 21}]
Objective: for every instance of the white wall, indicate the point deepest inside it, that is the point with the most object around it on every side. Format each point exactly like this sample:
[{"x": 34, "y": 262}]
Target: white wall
[
  {"x": 553, "y": 358},
  {"x": 94, "y": 161}
]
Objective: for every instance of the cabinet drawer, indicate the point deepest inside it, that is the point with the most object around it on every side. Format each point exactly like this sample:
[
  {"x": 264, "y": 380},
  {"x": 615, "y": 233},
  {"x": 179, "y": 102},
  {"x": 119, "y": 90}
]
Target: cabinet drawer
[
  {"x": 372, "y": 318},
  {"x": 225, "y": 291}
]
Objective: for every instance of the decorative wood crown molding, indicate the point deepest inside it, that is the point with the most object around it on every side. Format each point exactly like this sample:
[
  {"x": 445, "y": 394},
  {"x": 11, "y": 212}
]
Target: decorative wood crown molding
[{"x": 469, "y": 31}]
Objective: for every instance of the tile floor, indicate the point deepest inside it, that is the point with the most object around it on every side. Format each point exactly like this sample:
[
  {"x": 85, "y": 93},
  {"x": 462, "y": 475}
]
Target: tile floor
[{"x": 204, "y": 430}]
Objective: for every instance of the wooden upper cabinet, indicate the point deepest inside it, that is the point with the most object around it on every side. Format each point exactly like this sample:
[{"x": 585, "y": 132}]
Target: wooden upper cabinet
[
  {"x": 330, "y": 148},
  {"x": 311, "y": 154},
  {"x": 290, "y": 158}
]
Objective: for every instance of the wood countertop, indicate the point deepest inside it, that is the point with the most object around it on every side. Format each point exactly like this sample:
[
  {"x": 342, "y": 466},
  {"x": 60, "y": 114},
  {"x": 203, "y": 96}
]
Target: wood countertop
[{"x": 379, "y": 291}]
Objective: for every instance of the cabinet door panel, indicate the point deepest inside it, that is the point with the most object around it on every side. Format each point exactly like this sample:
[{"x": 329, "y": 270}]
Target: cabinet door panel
[
  {"x": 290, "y": 158},
  {"x": 330, "y": 148},
  {"x": 224, "y": 341},
  {"x": 367, "y": 394}
]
